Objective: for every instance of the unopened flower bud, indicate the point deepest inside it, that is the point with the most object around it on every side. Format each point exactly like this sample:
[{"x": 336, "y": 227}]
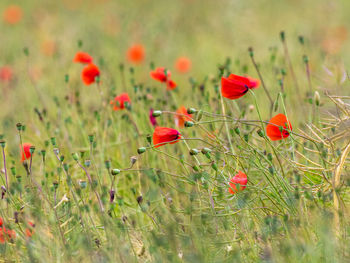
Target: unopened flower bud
[
  {"x": 194, "y": 152},
  {"x": 189, "y": 124},
  {"x": 317, "y": 98},
  {"x": 75, "y": 156},
  {"x": 191, "y": 110},
  {"x": 156, "y": 113},
  {"x": 141, "y": 150},
  {"x": 115, "y": 171}
]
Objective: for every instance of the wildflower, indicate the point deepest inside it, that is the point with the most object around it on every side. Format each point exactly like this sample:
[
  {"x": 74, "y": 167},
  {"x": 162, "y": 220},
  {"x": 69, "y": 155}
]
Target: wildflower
[
  {"x": 6, "y": 234},
  {"x": 183, "y": 64},
  {"x": 163, "y": 75},
  {"x": 5, "y": 73},
  {"x": 276, "y": 129},
  {"x": 89, "y": 74},
  {"x": 30, "y": 230},
  {"x": 182, "y": 116},
  {"x": 163, "y": 135},
  {"x": 241, "y": 179},
  {"x": 120, "y": 101},
  {"x": 236, "y": 86},
  {"x": 26, "y": 154},
  {"x": 12, "y": 14},
  {"x": 82, "y": 57},
  {"x": 152, "y": 119},
  {"x": 136, "y": 54},
  {"x": 1, "y": 221}
]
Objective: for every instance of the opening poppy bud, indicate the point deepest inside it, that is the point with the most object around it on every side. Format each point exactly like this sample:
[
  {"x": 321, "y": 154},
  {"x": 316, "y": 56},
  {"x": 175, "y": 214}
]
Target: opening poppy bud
[
  {"x": 149, "y": 138},
  {"x": 115, "y": 171},
  {"x": 75, "y": 156},
  {"x": 194, "y": 152},
  {"x": 191, "y": 110},
  {"x": 206, "y": 150},
  {"x": 32, "y": 149},
  {"x": 214, "y": 166},
  {"x": 156, "y": 113},
  {"x": 87, "y": 163},
  {"x": 141, "y": 150},
  {"x": 317, "y": 98},
  {"x": 19, "y": 126},
  {"x": 189, "y": 124},
  {"x": 91, "y": 138},
  {"x": 260, "y": 133},
  {"x": 2, "y": 143},
  {"x": 108, "y": 164},
  {"x": 53, "y": 141},
  {"x": 282, "y": 35},
  {"x": 237, "y": 131}
]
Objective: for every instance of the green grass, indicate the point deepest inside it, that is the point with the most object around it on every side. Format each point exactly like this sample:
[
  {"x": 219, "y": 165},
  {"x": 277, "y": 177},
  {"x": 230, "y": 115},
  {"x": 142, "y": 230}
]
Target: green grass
[{"x": 169, "y": 205}]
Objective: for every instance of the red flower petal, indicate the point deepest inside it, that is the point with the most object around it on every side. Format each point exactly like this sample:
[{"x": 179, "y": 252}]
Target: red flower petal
[
  {"x": 273, "y": 128},
  {"x": 82, "y": 57},
  {"x": 89, "y": 74},
  {"x": 163, "y": 135},
  {"x": 241, "y": 179}
]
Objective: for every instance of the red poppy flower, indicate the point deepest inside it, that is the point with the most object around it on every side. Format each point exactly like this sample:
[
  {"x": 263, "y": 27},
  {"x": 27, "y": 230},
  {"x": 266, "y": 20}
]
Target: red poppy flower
[
  {"x": 159, "y": 75},
  {"x": 136, "y": 54},
  {"x": 276, "y": 129},
  {"x": 6, "y": 234},
  {"x": 120, "y": 101},
  {"x": 241, "y": 179},
  {"x": 1, "y": 221},
  {"x": 236, "y": 86},
  {"x": 26, "y": 151},
  {"x": 182, "y": 117},
  {"x": 183, "y": 64},
  {"x": 163, "y": 135},
  {"x": 30, "y": 231},
  {"x": 152, "y": 119},
  {"x": 12, "y": 14},
  {"x": 82, "y": 57},
  {"x": 89, "y": 74},
  {"x": 5, "y": 73}
]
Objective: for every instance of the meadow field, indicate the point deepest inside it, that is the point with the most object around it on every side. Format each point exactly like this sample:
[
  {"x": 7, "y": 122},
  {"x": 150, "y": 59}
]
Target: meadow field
[{"x": 174, "y": 131}]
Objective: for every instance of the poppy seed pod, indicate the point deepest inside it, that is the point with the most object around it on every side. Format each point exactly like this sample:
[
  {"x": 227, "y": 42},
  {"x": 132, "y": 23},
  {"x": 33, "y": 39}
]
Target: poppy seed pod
[
  {"x": 75, "y": 156},
  {"x": 206, "y": 150},
  {"x": 19, "y": 126},
  {"x": 115, "y": 171},
  {"x": 189, "y": 124},
  {"x": 194, "y": 152},
  {"x": 260, "y": 133},
  {"x": 191, "y": 110},
  {"x": 156, "y": 113},
  {"x": 141, "y": 150},
  {"x": 53, "y": 141}
]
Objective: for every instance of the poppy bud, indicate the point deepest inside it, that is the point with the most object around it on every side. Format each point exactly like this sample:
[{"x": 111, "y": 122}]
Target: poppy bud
[
  {"x": 283, "y": 36},
  {"x": 191, "y": 110},
  {"x": 283, "y": 72},
  {"x": 111, "y": 195},
  {"x": 32, "y": 149},
  {"x": 1, "y": 136},
  {"x": 196, "y": 168},
  {"x": 133, "y": 160},
  {"x": 199, "y": 115},
  {"x": 139, "y": 199},
  {"x": 91, "y": 138},
  {"x": 271, "y": 169},
  {"x": 194, "y": 152},
  {"x": 301, "y": 40},
  {"x": 149, "y": 138},
  {"x": 43, "y": 153},
  {"x": 26, "y": 51},
  {"x": 75, "y": 156},
  {"x": 66, "y": 78},
  {"x": 237, "y": 131},
  {"x": 141, "y": 150},
  {"x": 107, "y": 164},
  {"x": 306, "y": 59},
  {"x": 2, "y": 143},
  {"x": 269, "y": 157},
  {"x": 53, "y": 141},
  {"x": 188, "y": 124},
  {"x": 260, "y": 133},
  {"x": 317, "y": 98},
  {"x": 246, "y": 137},
  {"x": 13, "y": 170},
  {"x": 251, "y": 52},
  {"x": 156, "y": 113},
  {"x": 82, "y": 184},
  {"x": 115, "y": 171},
  {"x": 214, "y": 166},
  {"x": 55, "y": 184},
  {"x": 87, "y": 163},
  {"x": 62, "y": 158},
  {"x": 65, "y": 167},
  {"x": 19, "y": 126}
]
